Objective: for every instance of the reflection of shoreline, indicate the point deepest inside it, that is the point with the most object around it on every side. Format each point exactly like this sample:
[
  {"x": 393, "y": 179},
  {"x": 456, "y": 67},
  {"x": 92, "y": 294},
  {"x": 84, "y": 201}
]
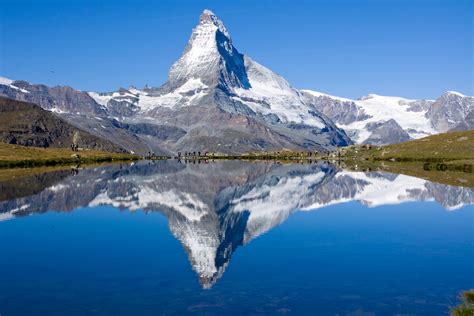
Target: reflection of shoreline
[
  {"x": 449, "y": 174},
  {"x": 215, "y": 208},
  {"x": 16, "y": 183}
]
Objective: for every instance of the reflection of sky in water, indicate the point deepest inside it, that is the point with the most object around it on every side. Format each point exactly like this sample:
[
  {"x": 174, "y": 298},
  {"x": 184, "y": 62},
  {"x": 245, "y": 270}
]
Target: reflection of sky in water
[{"x": 341, "y": 257}]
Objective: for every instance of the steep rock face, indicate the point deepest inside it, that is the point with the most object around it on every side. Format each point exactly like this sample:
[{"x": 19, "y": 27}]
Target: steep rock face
[
  {"x": 57, "y": 99},
  {"x": 450, "y": 110},
  {"x": 209, "y": 56},
  {"x": 466, "y": 124},
  {"x": 27, "y": 124},
  {"x": 341, "y": 111},
  {"x": 388, "y": 132}
]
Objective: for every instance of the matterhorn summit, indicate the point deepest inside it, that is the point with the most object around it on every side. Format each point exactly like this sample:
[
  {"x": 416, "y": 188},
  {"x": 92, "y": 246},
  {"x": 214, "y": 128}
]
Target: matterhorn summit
[
  {"x": 209, "y": 57},
  {"x": 221, "y": 100}
]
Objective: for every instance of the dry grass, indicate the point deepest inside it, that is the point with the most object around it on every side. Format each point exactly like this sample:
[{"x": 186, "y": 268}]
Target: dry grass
[
  {"x": 21, "y": 156},
  {"x": 442, "y": 147},
  {"x": 448, "y": 146}
]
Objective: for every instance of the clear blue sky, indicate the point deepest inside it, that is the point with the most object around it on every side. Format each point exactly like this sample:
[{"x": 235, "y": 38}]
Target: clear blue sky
[{"x": 412, "y": 48}]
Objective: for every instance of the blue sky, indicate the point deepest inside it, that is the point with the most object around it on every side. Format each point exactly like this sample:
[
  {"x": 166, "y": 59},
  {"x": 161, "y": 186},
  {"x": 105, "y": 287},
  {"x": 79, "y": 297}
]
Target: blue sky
[{"x": 416, "y": 48}]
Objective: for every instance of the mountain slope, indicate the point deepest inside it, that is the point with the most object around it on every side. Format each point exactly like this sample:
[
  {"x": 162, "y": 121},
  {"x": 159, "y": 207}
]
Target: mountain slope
[
  {"x": 366, "y": 120},
  {"x": 79, "y": 110},
  {"x": 219, "y": 96},
  {"x": 452, "y": 146},
  {"x": 27, "y": 124}
]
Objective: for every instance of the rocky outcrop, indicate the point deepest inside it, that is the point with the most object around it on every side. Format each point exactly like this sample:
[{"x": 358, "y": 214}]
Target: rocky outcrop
[
  {"x": 450, "y": 111},
  {"x": 466, "y": 124},
  {"x": 27, "y": 124},
  {"x": 388, "y": 132}
]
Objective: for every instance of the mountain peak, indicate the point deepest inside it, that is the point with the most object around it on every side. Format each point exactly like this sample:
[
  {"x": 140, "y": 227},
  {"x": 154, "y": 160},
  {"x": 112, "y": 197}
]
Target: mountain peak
[
  {"x": 454, "y": 93},
  {"x": 209, "y": 18},
  {"x": 210, "y": 57}
]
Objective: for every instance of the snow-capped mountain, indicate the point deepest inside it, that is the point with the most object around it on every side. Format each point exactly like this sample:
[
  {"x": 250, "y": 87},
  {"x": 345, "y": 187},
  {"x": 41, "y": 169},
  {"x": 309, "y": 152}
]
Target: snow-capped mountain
[
  {"x": 215, "y": 208},
  {"x": 217, "y": 99},
  {"x": 381, "y": 120},
  {"x": 211, "y": 80},
  {"x": 211, "y": 69}
]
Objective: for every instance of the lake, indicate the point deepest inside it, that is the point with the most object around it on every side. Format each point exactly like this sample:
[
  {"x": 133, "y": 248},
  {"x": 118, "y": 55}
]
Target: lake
[{"x": 232, "y": 238}]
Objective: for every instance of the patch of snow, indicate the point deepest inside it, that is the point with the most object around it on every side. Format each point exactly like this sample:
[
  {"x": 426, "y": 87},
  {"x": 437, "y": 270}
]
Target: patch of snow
[
  {"x": 20, "y": 208},
  {"x": 169, "y": 100},
  {"x": 5, "y": 81},
  {"x": 100, "y": 98},
  {"x": 268, "y": 88},
  {"x": 8, "y": 82},
  {"x": 58, "y": 187},
  {"x": 6, "y": 216},
  {"x": 456, "y": 93},
  {"x": 57, "y": 110},
  {"x": 320, "y": 94}
]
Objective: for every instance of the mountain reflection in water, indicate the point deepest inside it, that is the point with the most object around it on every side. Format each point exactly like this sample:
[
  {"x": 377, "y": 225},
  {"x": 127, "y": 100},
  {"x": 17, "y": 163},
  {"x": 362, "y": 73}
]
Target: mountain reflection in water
[{"x": 213, "y": 208}]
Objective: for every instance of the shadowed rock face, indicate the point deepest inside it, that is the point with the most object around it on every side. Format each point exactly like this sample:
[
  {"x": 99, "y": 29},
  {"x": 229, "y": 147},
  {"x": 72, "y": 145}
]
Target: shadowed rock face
[
  {"x": 388, "y": 132},
  {"x": 450, "y": 110},
  {"x": 59, "y": 99},
  {"x": 466, "y": 124},
  {"x": 27, "y": 124},
  {"x": 217, "y": 207}
]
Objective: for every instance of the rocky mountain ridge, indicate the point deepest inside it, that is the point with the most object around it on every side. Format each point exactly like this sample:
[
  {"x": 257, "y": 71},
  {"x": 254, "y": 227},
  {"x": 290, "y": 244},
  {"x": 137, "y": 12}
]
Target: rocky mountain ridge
[
  {"x": 217, "y": 99},
  {"x": 382, "y": 120},
  {"x": 27, "y": 124}
]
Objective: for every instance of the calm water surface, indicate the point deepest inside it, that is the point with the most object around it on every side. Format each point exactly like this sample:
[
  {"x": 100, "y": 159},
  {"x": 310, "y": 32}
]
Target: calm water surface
[{"x": 232, "y": 238}]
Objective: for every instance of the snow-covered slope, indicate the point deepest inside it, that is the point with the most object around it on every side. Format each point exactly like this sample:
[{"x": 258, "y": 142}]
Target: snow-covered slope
[
  {"x": 417, "y": 118},
  {"x": 383, "y": 108},
  {"x": 11, "y": 84},
  {"x": 211, "y": 61}
]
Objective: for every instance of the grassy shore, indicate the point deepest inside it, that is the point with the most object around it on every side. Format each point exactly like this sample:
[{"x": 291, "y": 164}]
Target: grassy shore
[
  {"x": 12, "y": 156},
  {"x": 467, "y": 307},
  {"x": 453, "y": 146}
]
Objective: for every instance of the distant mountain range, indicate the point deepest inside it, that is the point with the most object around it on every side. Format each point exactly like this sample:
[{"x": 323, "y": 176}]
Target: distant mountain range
[
  {"x": 215, "y": 208},
  {"x": 383, "y": 120},
  {"x": 217, "y": 99}
]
